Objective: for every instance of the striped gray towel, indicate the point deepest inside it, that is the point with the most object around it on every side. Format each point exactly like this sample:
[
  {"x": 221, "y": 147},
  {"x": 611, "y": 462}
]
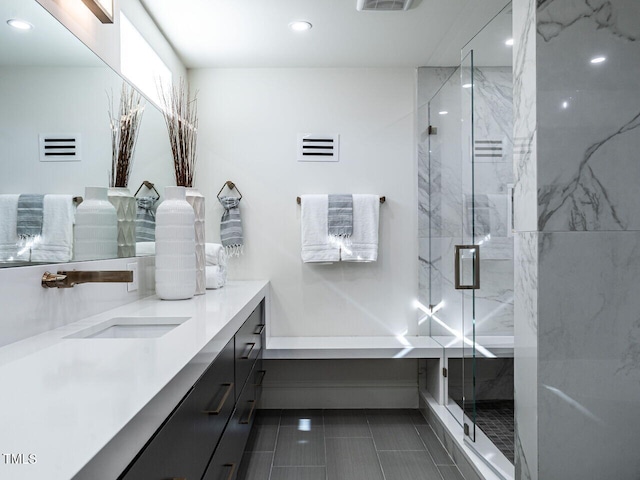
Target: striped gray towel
[
  {"x": 340, "y": 216},
  {"x": 231, "y": 226},
  {"x": 146, "y": 219},
  {"x": 30, "y": 216}
]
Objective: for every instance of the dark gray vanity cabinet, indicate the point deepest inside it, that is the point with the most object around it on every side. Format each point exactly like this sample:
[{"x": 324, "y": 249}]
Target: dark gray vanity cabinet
[
  {"x": 249, "y": 375},
  {"x": 205, "y": 435},
  {"x": 248, "y": 346}
]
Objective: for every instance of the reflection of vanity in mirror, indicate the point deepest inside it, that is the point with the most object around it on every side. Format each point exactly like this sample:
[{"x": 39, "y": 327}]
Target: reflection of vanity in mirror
[{"x": 53, "y": 88}]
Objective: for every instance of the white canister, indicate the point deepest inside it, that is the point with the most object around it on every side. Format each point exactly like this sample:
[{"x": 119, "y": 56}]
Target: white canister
[{"x": 95, "y": 234}]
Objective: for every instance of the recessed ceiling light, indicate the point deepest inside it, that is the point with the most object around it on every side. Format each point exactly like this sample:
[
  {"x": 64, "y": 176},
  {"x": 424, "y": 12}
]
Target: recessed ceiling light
[
  {"x": 300, "y": 26},
  {"x": 509, "y": 43},
  {"x": 443, "y": 112},
  {"x": 467, "y": 85},
  {"x": 565, "y": 104},
  {"x": 19, "y": 24},
  {"x": 598, "y": 59}
]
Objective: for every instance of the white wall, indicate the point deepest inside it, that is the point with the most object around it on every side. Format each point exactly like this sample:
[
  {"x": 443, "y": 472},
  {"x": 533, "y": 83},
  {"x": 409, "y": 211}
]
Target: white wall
[{"x": 249, "y": 119}]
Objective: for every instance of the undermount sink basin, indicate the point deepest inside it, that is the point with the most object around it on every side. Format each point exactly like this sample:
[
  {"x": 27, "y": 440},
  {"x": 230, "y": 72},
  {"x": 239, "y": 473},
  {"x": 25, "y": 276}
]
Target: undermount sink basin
[{"x": 131, "y": 327}]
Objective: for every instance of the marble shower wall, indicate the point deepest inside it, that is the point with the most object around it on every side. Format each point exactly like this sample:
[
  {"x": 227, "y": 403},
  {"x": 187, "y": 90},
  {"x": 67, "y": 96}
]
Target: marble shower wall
[
  {"x": 444, "y": 185},
  {"x": 577, "y": 302},
  {"x": 526, "y": 240}
]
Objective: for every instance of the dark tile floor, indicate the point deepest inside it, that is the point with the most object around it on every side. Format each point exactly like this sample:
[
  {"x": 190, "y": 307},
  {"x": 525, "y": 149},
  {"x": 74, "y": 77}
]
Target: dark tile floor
[
  {"x": 344, "y": 445},
  {"x": 496, "y": 420}
]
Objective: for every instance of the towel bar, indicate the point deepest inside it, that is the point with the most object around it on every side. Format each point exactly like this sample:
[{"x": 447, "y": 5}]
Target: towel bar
[{"x": 382, "y": 200}]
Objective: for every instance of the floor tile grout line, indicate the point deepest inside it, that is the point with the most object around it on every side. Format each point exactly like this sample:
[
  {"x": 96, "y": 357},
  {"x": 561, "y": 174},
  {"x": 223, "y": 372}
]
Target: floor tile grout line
[
  {"x": 324, "y": 441},
  {"x": 375, "y": 448},
  {"x": 275, "y": 445},
  {"x": 427, "y": 448}
]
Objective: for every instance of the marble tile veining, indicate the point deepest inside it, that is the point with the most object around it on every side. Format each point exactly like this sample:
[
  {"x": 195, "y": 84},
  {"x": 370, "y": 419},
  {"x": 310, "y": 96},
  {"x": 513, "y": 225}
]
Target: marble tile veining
[{"x": 589, "y": 115}]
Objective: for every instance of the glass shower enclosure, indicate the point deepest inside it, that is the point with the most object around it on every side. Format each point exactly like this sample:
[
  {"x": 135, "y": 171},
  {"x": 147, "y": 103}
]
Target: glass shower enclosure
[{"x": 468, "y": 177}]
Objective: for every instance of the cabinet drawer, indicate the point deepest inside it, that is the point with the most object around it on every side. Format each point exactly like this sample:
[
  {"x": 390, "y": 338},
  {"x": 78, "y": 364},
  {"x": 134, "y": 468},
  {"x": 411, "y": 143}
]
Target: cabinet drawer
[
  {"x": 226, "y": 460},
  {"x": 249, "y": 341},
  {"x": 257, "y": 377},
  {"x": 183, "y": 446}
]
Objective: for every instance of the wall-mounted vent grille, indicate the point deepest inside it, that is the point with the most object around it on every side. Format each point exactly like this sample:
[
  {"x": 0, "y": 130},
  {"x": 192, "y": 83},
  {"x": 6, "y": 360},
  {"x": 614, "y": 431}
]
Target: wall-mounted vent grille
[
  {"x": 60, "y": 147},
  {"x": 315, "y": 147},
  {"x": 383, "y": 5},
  {"x": 486, "y": 149}
]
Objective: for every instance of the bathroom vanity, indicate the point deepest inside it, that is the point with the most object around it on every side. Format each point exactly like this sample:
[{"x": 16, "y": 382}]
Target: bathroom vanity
[{"x": 95, "y": 399}]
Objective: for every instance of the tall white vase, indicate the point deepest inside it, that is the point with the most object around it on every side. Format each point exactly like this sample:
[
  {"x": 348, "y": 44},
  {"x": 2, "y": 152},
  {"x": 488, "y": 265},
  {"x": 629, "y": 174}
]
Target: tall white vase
[
  {"x": 196, "y": 200},
  {"x": 175, "y": 247},
  {"x": 95, "y": 234},
  {"x": 126, "y": 208}
]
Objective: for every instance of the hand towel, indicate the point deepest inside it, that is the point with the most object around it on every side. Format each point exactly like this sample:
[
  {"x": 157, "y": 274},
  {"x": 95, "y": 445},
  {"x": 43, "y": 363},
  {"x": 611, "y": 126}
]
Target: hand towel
[
  {"x": 316, "y": 247},
  {"x": 8, "y": 230},
  {"x": 364, "y": 240},
  {"x": 30, "y": 213},
  {"x": 216, "y": 276},
  {"x": 146, "y": 219},
  {"x": 231, "y": 226},
  {"x": 56, "y": 241},
  {"x": 340, "y": 218},
  {"x": 215, "y": 254}
]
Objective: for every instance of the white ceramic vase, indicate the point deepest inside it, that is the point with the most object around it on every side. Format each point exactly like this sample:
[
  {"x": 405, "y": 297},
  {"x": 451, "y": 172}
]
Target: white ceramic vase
[
  {"x": 95, "y": 234},
  {"x": 126, "y": 208},
  {"x": 175, "y": 247},
  {"x": 196, "y": 200}
]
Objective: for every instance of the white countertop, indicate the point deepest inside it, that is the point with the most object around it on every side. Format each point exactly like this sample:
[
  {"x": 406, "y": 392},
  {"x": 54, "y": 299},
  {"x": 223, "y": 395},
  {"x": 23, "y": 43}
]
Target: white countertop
[{"x": 64, "y": 399}]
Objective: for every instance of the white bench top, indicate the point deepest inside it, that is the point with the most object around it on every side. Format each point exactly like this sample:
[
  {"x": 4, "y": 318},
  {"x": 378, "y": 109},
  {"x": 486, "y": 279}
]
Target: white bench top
[{"x": 382, "y": 347}]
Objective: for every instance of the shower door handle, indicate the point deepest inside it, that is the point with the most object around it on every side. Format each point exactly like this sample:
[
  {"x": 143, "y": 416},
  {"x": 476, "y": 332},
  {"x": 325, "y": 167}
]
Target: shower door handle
[{"x": 467, "y": 256}]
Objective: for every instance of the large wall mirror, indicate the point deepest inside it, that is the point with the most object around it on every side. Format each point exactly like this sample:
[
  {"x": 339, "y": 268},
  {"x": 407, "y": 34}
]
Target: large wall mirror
[{"x": 52, "y": 85}]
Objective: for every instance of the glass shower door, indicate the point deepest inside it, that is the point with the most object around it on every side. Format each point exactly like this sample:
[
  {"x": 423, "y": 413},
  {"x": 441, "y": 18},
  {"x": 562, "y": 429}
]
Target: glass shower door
[
  {"x": 467, "y": 258},
  {"x": 453, "y": 268}
]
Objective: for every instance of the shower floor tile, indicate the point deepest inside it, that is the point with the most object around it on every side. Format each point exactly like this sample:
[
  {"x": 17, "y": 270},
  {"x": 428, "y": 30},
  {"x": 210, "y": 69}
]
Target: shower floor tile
[{"x": 496, "y": 420}]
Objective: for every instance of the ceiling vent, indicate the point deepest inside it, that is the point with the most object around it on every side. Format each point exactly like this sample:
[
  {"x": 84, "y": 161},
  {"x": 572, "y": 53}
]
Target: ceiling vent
[
  {"x": 60, "y": 148},
  {"x": 384, "y": 5},
  {"x": 317, "y": 147}
]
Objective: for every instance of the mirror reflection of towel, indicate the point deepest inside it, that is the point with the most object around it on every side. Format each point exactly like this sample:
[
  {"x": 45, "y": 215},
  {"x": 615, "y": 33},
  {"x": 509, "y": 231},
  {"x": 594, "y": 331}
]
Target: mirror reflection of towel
[
  {"x": 30, "y": 216},
  {"x": 146, "y": 219},
  {"x": 488, "y": 212},
  {"x": 55, "y": 244}
]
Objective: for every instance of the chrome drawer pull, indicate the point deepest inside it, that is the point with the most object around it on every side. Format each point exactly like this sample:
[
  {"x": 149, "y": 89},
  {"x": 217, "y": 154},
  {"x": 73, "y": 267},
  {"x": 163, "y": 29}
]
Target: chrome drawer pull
[
  {"x": 264, "y": 373},
  {"x": 259, "y": 329},
  {"x": 248, "y": 353},
  {"x": 232, "y": 467},
  {"x": 223, "y": 401},
  {"x": 253, "y": 407}
]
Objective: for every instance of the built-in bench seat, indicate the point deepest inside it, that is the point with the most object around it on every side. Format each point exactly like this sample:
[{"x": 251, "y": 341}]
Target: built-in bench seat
[{"x": 383, "y": 347}]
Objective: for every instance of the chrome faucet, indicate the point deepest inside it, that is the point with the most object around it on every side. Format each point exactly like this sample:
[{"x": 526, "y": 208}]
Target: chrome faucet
[{"x": 73, "y": 277}]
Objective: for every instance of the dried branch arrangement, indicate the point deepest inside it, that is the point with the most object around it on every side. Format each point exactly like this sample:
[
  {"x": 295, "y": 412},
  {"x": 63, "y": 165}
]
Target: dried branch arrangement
[
  {"x": 124, "y": 134},
  {"x": 181, "y": 116}
]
